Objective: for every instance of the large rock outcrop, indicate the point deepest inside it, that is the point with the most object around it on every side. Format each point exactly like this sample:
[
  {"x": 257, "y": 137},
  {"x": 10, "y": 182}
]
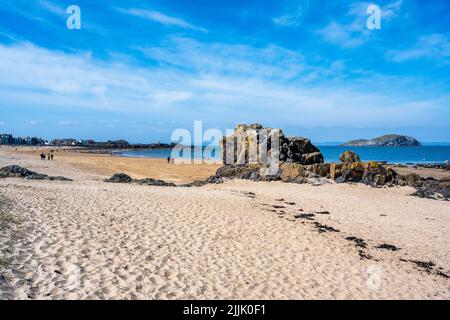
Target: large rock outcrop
[{"x": 245, "y": 144}]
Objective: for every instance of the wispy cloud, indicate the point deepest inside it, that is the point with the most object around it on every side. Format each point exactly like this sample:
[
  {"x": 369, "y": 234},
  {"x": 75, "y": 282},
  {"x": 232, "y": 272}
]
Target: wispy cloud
[
  {"x": 228, "y": 59},
  {"x": 66, "y": 123},
  {"x": 347, "y": 36},
  {"x": 161, "y": 18},
  {"x": 293, "y": 13},
  {"x": 34, "y": 122},
  {"x": 355, "y": 33},
  {"x": 434, "y": 46},
  {"x": 51, "y": 7},
  {"x": 195, "y": 80},
  {"x": 391, "y": 10}
]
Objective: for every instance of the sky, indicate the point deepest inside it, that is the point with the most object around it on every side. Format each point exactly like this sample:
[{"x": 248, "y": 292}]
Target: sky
[{"x": 139, "y": 69}]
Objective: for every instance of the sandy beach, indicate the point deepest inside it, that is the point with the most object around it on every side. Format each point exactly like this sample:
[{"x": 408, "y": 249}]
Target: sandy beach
[{"x": 88, "y": 239}]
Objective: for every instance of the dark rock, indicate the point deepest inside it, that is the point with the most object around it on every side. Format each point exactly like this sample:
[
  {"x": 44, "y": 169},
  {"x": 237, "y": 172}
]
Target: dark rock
[
  {"x": 308, "y": 216},
  {"x": 343, "y": 177},
  {"x": 349, "y": 157},
  {"x": 59, "y": 178},
  {"x": 364, "y": 255},
  {"x": 238, "y": 171},
  {"x": 444, "y": 183},
  {"x": 214, "y": 179},
  {"x": 425, "y": 265},
  {"x": 376, "y": 174},
  {"x": 324, "y": 228},
  {"x": 320, "y": 169},
  {"x": 311, "y": 158},
  {"x": 15, "y": 171},
  {"x": 358, "y": 241},
  {"x": 119, "y": 178},
  {"x": 413, "y": 180},
  {"x": 38, "y": 176},
  {"x": 291, "y": 150},
  {"x": 155, "y": 182},
  {"x": 423, "y": 192},
  {"x": 387, "y": 247},
  {"x": 201, "y": 183},
  {"x": 300, "y": 150},
  {"x": 297, "y": 146},
  {"x": 429, "y": 188}
]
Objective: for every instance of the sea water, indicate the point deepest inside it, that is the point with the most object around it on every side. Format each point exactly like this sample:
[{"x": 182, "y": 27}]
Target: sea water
[{"x": 423, "y": 154}]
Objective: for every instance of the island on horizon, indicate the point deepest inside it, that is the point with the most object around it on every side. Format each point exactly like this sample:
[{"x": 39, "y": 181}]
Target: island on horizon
[{"x": 388, "y": 140}]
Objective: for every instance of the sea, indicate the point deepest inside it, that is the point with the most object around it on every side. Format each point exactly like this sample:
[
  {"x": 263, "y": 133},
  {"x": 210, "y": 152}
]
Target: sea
[{"x": 432, "y": 153}]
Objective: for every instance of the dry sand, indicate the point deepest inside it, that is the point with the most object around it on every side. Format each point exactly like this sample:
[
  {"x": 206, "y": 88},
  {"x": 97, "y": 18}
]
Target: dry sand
[
  {"x": 107, "y": 165},
  {"x": 88, "y": 239}
]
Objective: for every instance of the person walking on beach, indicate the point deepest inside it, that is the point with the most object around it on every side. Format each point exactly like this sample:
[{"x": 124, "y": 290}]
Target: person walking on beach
[
  {"x": 51, "y": 156},
  {"x": 168, "y": 159},
  {"x": 42, "y": 156},
  {"x": 48, "y": 156}
]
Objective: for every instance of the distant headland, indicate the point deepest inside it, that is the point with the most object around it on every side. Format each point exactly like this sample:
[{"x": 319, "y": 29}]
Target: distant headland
[
  {"x": 9, "y": 139},
  {"x": 388, "y": 140}
]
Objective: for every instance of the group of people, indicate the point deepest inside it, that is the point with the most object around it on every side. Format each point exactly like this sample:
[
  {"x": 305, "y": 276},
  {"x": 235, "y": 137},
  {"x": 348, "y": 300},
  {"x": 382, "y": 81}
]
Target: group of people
[{"x": 49, "y": 156}]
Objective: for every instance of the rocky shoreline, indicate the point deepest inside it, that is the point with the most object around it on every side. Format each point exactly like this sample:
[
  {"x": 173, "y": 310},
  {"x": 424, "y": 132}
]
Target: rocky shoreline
[
  {"x": 443, "y": 166},
  {"x": 302, "y": 162}
]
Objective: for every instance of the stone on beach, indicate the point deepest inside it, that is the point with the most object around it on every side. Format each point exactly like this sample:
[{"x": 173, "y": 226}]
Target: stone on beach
[
  {"x": 15, "y": 171},
  {"x": 155, "y": 182},
  {"x": 120, "y": 178},
  {"x": 124, "y": 178},
  {"x": 291, "y": 172},
  {"x": 349, "y": 156}
]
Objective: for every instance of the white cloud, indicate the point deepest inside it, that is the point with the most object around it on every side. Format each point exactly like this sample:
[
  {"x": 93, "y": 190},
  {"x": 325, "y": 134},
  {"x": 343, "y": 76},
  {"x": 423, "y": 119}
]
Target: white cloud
[
  {"x": 293, "y": 13},
  {"x": 234, "y": 60},
  {"x": 210, "y": 81},
  {"x": 355, "y": 33},
  {"x": 434, "y": 46},
  {"x": 347, "y": 36},
  {"x": 66, "y": 123},
  {"x": 55, "y": 9},
  {"x": 391, "y": 10},
  {"x": 161, "y": 18},
  {"x": 34, "y": 122}
]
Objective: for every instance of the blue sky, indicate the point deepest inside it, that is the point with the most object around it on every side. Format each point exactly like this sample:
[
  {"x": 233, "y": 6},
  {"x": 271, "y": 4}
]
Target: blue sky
[{"x": 140, "y": 69}]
